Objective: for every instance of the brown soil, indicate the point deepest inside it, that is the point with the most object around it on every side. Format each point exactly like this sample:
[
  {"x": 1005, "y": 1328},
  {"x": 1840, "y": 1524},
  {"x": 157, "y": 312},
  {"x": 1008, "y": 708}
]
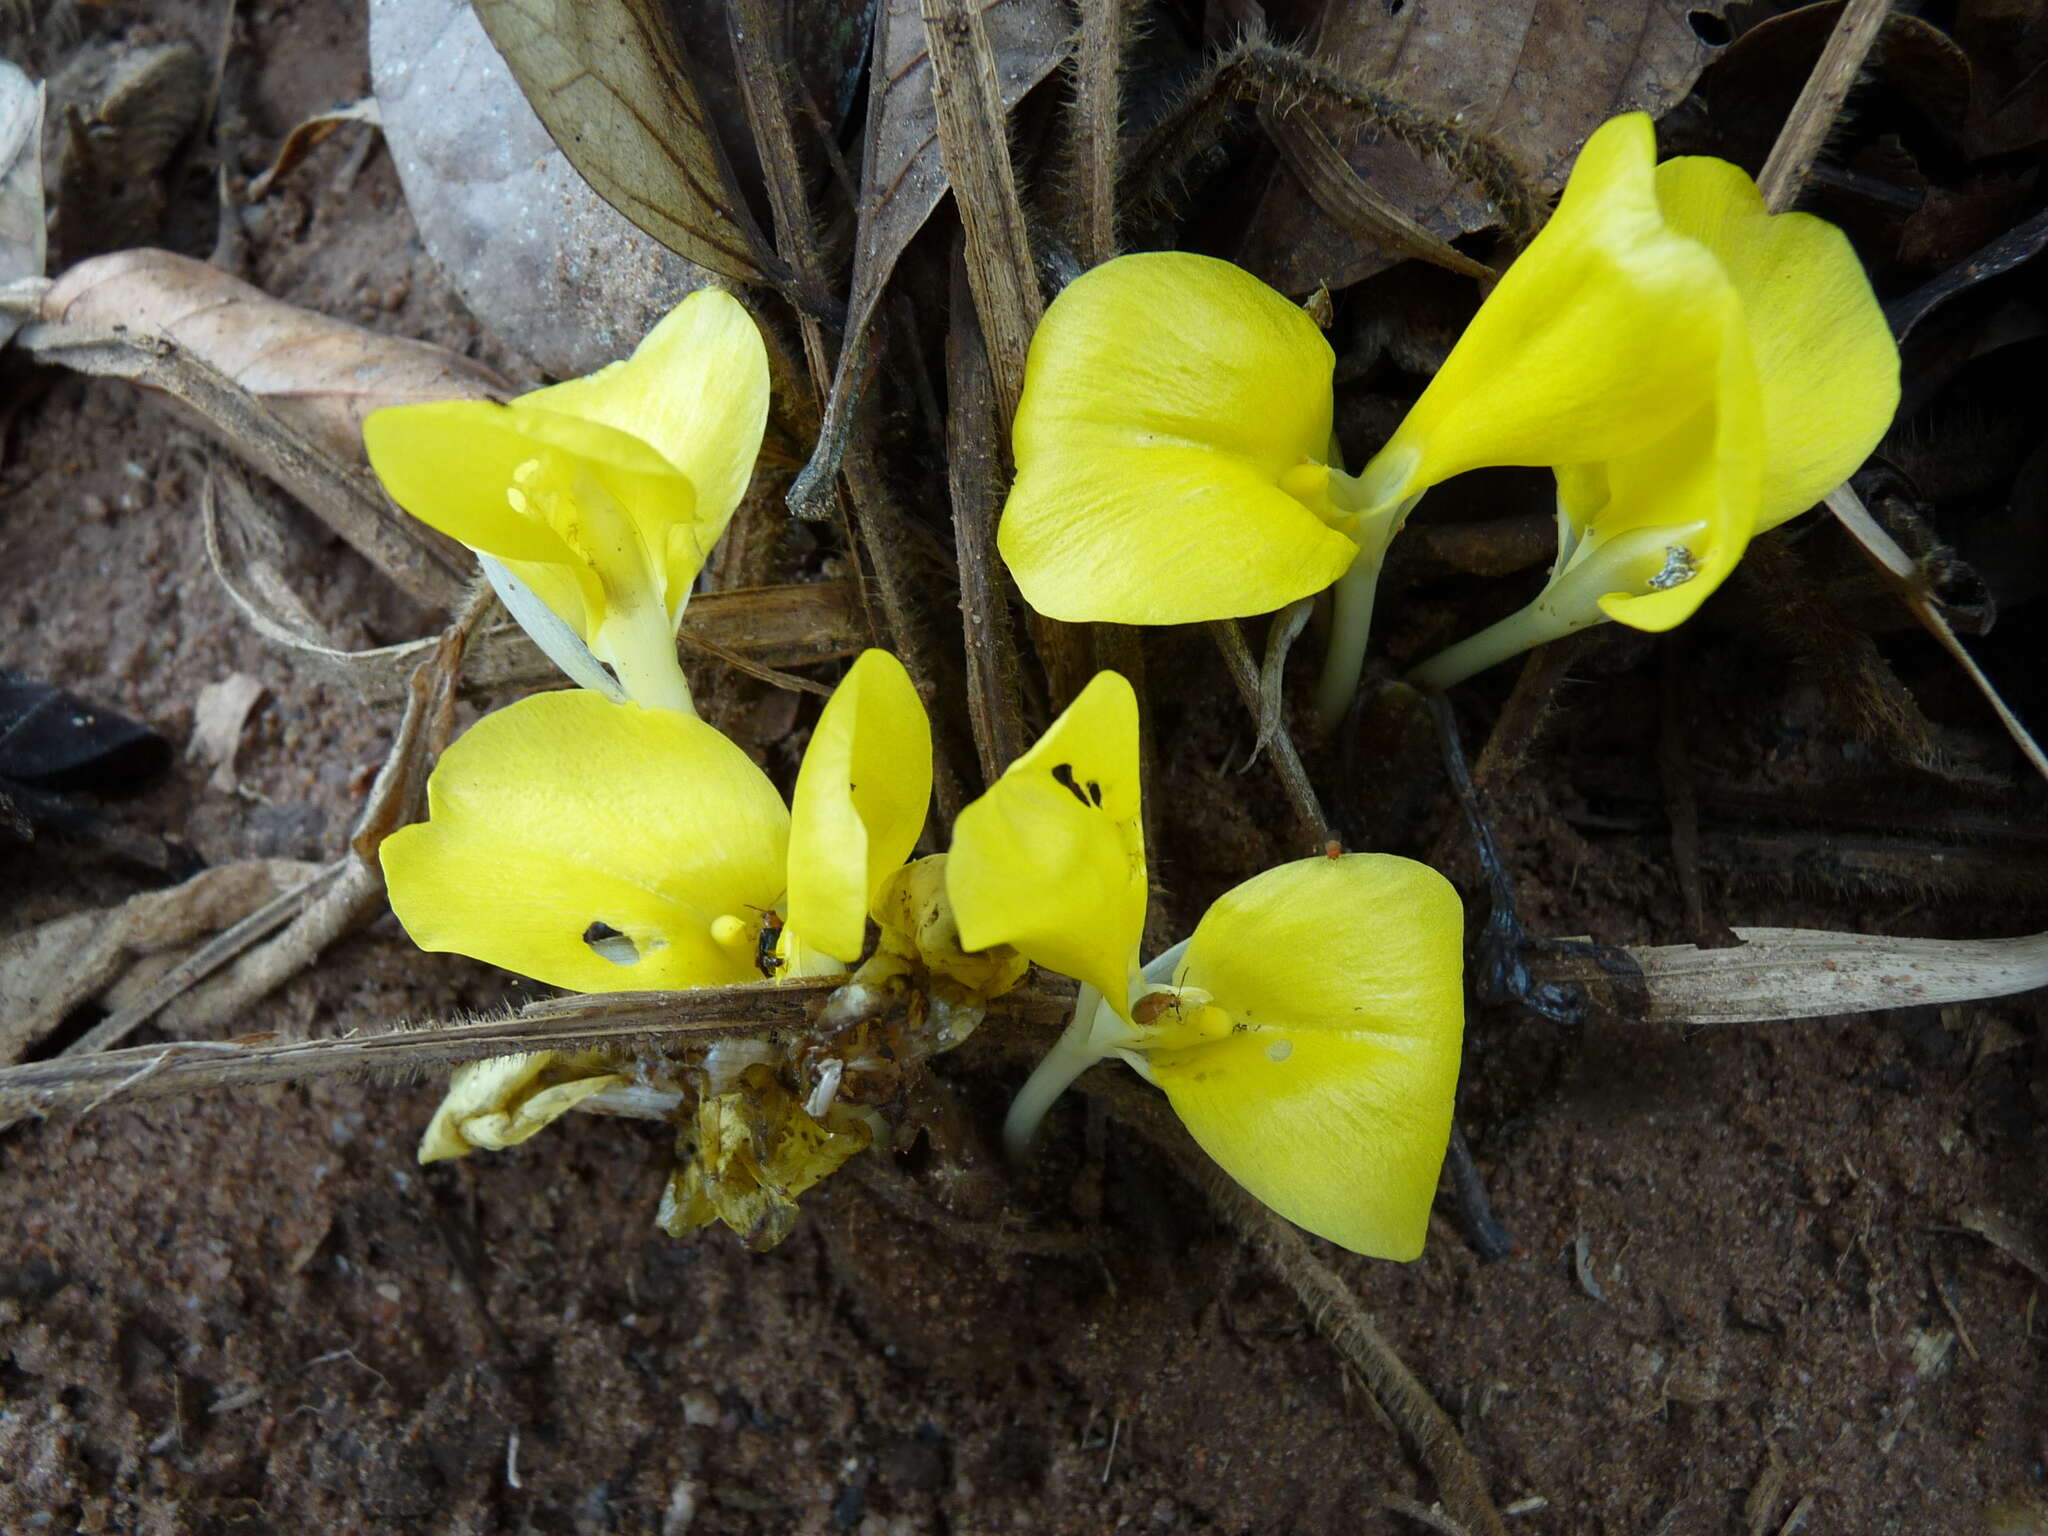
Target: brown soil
[{"x": 1737, "y": 1252}]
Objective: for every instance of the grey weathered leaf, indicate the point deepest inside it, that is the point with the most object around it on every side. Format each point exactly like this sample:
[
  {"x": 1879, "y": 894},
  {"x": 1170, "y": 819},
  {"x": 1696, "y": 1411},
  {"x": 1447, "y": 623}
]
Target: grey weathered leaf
[
  {"x": 1537, "y": 76},
  {"x": 23, "y": 237},
  {"x": 609, "y": 81},
  {"x": 537, "y": 255}
]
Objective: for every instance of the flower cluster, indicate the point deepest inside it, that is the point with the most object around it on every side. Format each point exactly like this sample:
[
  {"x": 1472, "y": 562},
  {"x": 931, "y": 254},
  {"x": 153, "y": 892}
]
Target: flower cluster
[{"x": 1692, "y": 368}]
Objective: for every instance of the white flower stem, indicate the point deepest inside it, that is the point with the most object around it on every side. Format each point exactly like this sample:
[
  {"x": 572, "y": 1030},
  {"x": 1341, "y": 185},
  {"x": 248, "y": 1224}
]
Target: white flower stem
[
  {"x": 1636, "y": 562},
  {"x": 641, "y": 647},
  {"x": 1350, "y": 629},
  {"x": 1075, "y": 1053},
  {"x": 1372, "y": 529}
]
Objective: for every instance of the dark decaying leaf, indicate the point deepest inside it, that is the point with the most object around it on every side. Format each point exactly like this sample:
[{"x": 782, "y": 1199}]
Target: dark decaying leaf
[
  {"x": 1536, "y": 75},
  {"x": 535, "y": 253},
  {"x": 52, "y": 739},
  {"x": 111, "y": 188},
  {"x": 1755, "y": 82},
  {"x": 902, "y": 179},
  {"x": 609, "y": 80}
]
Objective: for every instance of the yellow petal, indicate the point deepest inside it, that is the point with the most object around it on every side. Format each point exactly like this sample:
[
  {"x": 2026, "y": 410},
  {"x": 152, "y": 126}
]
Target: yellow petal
[
  {"x": 1702, "y": 483},
  {"x": 1604, "y": 334},
  {"x": 860, "y": 802},
  {"x": 566, "y": 818},
  {"x": 535, "y": 486},
  {"x": 1051, "y": 861},
  {"x": 696, "y": 390},
  {"x": 1165, "y": 396},
  {"x": 1824, "y": 355},
  {"x": 1331, "y": 1099},
  {"x": 494, "y": 1104}
]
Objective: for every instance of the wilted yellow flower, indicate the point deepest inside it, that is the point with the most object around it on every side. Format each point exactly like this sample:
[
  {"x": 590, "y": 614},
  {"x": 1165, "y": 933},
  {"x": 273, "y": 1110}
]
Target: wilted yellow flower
[
  {"x": 1307, "y": 1034},
  {"x": 491, "y": 1105},
  {"x": 1755, "y": 373},
  {"x": 595, "y": 503},
  {"x": 607, "y": 847},
  {"x": 748, "y": 1154}
]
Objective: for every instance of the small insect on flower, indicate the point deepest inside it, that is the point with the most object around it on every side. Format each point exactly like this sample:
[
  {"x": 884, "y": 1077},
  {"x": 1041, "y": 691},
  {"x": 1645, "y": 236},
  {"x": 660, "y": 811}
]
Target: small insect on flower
[{"x": 766, "y": 960}]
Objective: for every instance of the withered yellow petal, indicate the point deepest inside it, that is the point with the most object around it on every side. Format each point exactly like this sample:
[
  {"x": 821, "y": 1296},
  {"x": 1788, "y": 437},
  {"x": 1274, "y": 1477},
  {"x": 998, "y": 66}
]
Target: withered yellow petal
[
  {"x": 1603, "y": 335},
  {"x": 565, "y": 823},
  {"x": 860, "y": 802},
  {"x": 1824, "y": 356},
  {"x": 1051, "y": 861},
  {"x": 1331, "y": 1099},
  {"x": 1165, "y": 396},
  {"x": 695, "y": 390},
  {"x": 491, "y": 1105}
]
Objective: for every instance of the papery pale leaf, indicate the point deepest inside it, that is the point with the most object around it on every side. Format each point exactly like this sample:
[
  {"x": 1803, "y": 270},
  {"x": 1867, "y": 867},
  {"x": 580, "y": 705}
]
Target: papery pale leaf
[
  {"x": 1605, "y": 334},
  {"x": 860, "y": 802},
  {"x": 1165, "y": 397},
  {"x": 608, "y": 80},
  {"x": 323, "y": 375},
  {"x": 1824, "y": 356},
  {"x": 1051, "y": 861},
  {"x": 1331, "y": 1100},
  {"x": 24, "y": 236},
  {"x": 565, "y": 819},
  {"x": 534, "y": 252}
]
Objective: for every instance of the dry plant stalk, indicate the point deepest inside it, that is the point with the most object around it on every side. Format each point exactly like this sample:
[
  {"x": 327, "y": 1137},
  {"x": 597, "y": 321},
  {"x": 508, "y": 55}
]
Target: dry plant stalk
[
  {"x": 974, "y": 145},
  {"x": 629, "y": 1023},
  {"x": 974, "y": 474},
  {"x": 1244, "y": 673},
  {"x": 1820, "y": 102}
]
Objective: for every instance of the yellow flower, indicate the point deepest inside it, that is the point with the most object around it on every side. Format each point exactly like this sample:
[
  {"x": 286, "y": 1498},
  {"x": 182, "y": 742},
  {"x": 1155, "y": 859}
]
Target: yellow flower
[
  {"x": 1175, "y": 410},
  {"x": 594, "y": 504},
  {"x": 607, "y": 847},
  {"x": 1307, "y": 1034},
  {"x": 1308, "y": 1037},
  {"x": 1051, "y": 861},
  {"x": 1756, "y": 372}
]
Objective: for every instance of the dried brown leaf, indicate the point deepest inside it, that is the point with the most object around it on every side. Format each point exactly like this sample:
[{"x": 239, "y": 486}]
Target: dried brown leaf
[
  {"x": 1536, "y": 75},
  {"x": 321, "y": 375},
  {"x": 609, "y": 80},
  {"x": 309, "y": 135}
]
